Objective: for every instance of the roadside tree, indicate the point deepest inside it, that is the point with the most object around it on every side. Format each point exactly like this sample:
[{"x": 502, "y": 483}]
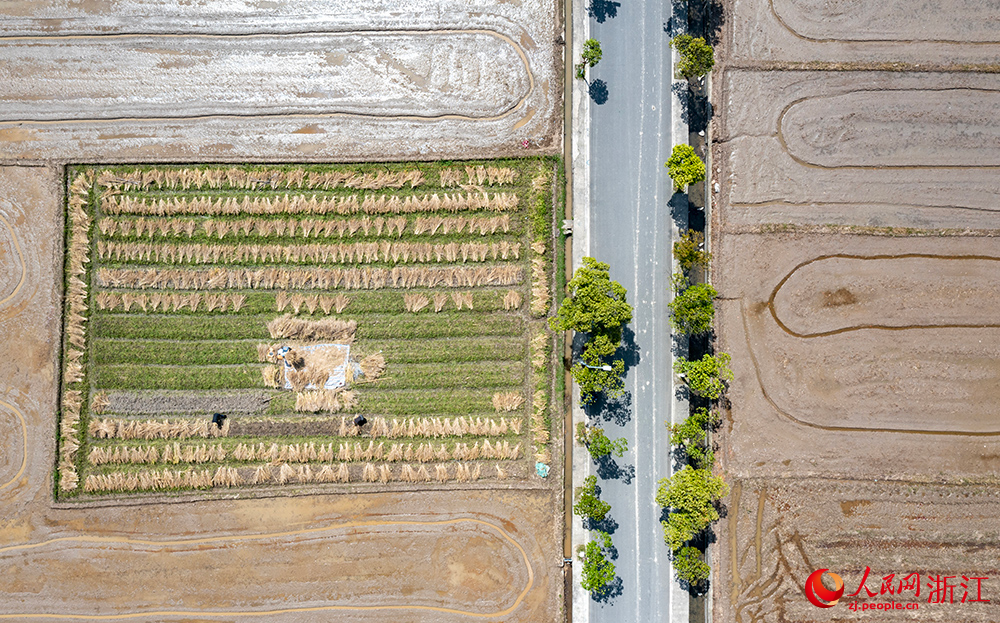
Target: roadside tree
[
  {"x": 684, "y": 167},
  {"x": 706, "y": 376},
  {"x": 688, "y": 251},
  {"x": 597, "y": 442},
  {"x": 690, "y": 496},
  {"x": 591, "y": 56},
  {"x": 692, "y": 309},
  {"x": 588, "y": 505},
  {"x": 697, "y": 57},
  {"x": 598, "y": 571}
]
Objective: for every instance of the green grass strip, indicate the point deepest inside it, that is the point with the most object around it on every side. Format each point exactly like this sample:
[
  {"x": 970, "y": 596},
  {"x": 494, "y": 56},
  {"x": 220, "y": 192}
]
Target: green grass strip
[
  {"x": 445, "y": 349},
  {"x": 177, "y": 377},
  {"x": 444, "y": 324},
  {"x": 240, "y": 327},
  {"x": 169, "y": 327},
  {"x": 425, "y": 402},
  {"x": 485, "y": 374},
  {"x": 169, "y": 353}
]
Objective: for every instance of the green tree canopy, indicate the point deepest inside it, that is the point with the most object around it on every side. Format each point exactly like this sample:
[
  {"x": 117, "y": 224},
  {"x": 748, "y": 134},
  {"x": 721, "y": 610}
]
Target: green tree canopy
[
  {"x": 588, "y": 505},
  {"x": 598, "y": 572},
  {"x": 689, "y": 566},
  {"x": 593, "y": 380},
  {"x": 598, "y": 443},
  {"x": 691, "y": 436},
  {"x": 697, "y": 57},
  {"x": 684, "y": 167},
  {"x": 692, "y": 309},
  {"x": 688, "y": 253},
  {"x": 690, "y": 496},
  {"x": 706, "y": 376},
  {"x": 595, "y": 304},
  {"x": 591, "y": 56}
]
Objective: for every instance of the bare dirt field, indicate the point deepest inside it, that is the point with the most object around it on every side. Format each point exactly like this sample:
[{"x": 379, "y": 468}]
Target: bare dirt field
[
  {"x": 855, "y": 148},
  {"x": 152, "y": 80},
  {"x": 132, "y": 81}
]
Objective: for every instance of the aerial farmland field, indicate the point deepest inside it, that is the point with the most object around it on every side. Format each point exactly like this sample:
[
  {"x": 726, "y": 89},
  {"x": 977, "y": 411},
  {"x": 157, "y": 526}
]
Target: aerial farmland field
[{"x": 413, "y": 295}]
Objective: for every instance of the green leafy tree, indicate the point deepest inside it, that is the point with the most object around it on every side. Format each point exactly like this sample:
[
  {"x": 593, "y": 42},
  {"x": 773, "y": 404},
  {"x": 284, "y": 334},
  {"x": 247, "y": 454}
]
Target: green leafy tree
[
  {"x": 691, "y": 436},
  {"x": 697, "y": 57},
  {"x": 594, "y": 380},
  {"x": 591, "y": 56},
  {"x": 706, "y": 376},
  {"x": 690, "y": 496},
  {"x": 588, "y": 505},
  {"x": 692, "y": 309},
  {"x": 688, "y": 252},
  {"x": 689, "y": 566},
  {"x": 595, "y": 304},
  {"x": 684, "y": 167},
  {"x": 598, "y": 572},
  {"x": 597, "y": 442}
]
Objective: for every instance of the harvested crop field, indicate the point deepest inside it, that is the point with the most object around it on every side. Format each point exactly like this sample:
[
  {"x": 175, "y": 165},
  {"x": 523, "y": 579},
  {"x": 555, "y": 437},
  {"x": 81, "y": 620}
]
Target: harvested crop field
[
  {"x": 292, "y": 301},
  {"x": 355, "y": 551},
  {"x": 855, "y": 236}
]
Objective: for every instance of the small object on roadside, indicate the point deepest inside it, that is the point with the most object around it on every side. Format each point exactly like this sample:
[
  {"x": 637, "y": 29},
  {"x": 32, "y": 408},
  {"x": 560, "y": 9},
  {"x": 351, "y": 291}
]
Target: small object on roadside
[
  {"x": 542, "y": 469},
  {"x": 217, "y": 419},
  {"x": 360, "y": 421}
]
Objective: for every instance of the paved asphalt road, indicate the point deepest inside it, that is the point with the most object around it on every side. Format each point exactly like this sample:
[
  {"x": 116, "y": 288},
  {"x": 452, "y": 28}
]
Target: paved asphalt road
[{"x": 630, "y": 230}]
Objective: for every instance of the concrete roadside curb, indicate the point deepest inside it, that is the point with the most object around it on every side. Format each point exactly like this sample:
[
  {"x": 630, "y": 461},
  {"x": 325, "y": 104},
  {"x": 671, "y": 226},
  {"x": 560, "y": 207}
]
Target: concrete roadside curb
[{"x": 580, "y": 166}]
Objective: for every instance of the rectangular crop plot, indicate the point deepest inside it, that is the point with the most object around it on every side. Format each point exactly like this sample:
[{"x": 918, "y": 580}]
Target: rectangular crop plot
[{"x": 292, "y": 299}]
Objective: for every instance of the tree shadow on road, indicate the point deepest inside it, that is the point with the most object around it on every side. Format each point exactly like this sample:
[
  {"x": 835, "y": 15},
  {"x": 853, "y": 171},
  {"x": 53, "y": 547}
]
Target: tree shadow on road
[
  {"x": 610, "y": 591},
  {"x": 598, "y": 91},
  {"x": 628, "y": 352},
  {"x": 608, "y": 524},
  {"x": 696, "y": 110},
  {"x": 609, "y": 469},
  {"x": 617, "y": 410},
  {"x": 601, "y": 10}
]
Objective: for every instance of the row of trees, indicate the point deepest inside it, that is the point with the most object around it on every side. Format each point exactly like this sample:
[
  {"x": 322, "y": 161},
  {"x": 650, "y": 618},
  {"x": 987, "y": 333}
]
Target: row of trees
[{"x": 691, "y": 495}]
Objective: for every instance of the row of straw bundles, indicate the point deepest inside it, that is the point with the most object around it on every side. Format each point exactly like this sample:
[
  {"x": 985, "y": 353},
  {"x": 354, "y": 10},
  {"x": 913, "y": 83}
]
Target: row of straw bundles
[
  {"x": 78, "y": 253},
  {"x": 170, "y": 301},
  {"x": 110, "y": 428},
  {"x": 478, "y": 175},
  {"x": 156, "y": 480},
  {"x": 249, "y": 179},
  {"x": 343, "y": 253},
  {"x": 300, "y": 204},
  {"x": 266, "y": 227},
  {"x": 311, "y": 278}
]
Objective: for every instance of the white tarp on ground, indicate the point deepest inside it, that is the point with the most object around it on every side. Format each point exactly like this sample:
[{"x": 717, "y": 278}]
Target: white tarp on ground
[{"x": 326, "y": 353}]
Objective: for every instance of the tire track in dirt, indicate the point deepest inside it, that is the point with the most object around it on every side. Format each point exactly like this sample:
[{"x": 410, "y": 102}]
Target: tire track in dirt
[
  {"x": 24, "y": 444},
  {"x": 915, "y": 167},
  {"x": 798, "y": 35},
  {"x": 854, "y": 429},
  {"x": 786, "y": 329},
  {"x": 518, "y": 49},
  {"x": 273, "y": 612},
  {"x": 20, "y": 258}
]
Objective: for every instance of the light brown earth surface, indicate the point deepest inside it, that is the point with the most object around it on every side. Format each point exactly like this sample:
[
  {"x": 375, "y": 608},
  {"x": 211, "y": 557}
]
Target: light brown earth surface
[
  {"x": 309, "y": 80},
  {"x": 856, "y": 155},
  {"x": 236, "y": 81},
  {"x": 414, "y": 554}
]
